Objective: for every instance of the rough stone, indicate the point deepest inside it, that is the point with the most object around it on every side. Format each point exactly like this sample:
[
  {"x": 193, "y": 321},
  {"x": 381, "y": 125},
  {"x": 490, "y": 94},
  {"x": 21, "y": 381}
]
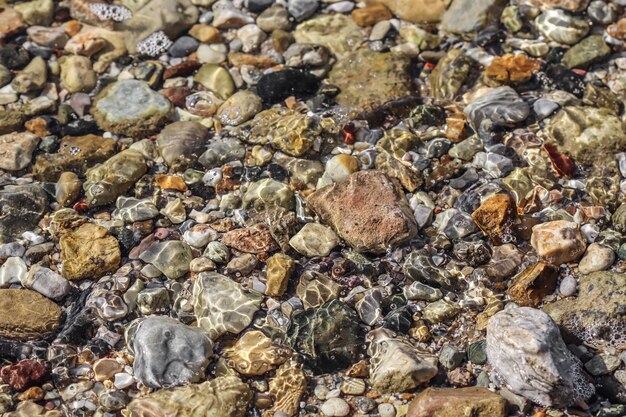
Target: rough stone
[
  {"x": 466, "y": 16},
  {"x": 18, "y": 320},
  {"x": 89, "y": 252},
  {"x": 533, "y": 284},
  {"x": 16, "y": 150},
  {"x": 337, "y": 32},
  {"x": 447, "y": 402},
  {"x": 586, "y": 52},
  {"x": 314, "y": 239}
]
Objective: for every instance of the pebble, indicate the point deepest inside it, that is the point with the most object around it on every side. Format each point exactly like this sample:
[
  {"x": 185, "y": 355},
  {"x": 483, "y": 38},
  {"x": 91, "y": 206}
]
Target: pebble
[
  {"x": 597, "y": 258},
  {"x": 335, "y": 407},
  {"x": 314, "y": 240},
  {"x": 558, "y": 241}
]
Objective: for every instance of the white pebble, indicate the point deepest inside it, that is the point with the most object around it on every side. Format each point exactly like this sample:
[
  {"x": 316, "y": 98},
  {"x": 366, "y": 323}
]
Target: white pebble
[
  {"x": 335, "y": 407},
  {"x": 386, "y": 410}
]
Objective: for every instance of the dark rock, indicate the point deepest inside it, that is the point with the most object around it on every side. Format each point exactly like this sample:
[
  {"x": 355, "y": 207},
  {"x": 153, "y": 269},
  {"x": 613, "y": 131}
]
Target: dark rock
[
  {"x": 21, "y": 207},
  {"x": 278, "y": 85}
]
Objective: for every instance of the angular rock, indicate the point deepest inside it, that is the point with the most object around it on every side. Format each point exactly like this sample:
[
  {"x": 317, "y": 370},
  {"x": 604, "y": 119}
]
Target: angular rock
[
  {"x": 130, "y": 210},
  {"x": 525, "y": 347},
  {"x": 448, "y": 402},
  {"x": 466, "y": 16},
  {"x": 47, "y": 282},
  {"x": 171, "y": 257},
  {"x": 21, "y": 207},
  {"x": 558, "y": 241},
  {"x": 368, "y": 211},
  {"x": 533, "y": 284},
  {"x": 32, "y": 78},
  {"x": 89, "y": 252},
  {"x": 597, "y": 258},
  {"x": 287, "y": 388},
  {"x": 182, "y": 143},
  {"x": 163, "y": 357},
  {"x": 18, "y": 319},
  {"x": 278, "y": 271},
  {"x": 77, "y": 74},
  {"x": 314, "y": 239},
  {"x": 254, "y": 239},
  {"x": 450, "y": 74},
  {"x": 495, "y": 217},
  {"x": 16, "y": 150}
]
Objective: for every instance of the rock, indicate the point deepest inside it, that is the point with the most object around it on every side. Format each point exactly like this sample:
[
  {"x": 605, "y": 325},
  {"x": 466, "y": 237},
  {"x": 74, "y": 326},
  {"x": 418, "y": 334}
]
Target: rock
[
  {"x": 314, "y": 240},
  {"x": 114, "y": 177},
  {"x": 229, "y": 17},
  {"x": 339, "y": 167},
  {"x": 76, "y": 154},
  {"x": 561, "y": 27},
  {"x": 221, "y": 305},
  {"x": 268, "y": 193},
  {"x": 21, "y": 207},
  {"x": 183, "y": 46},
  {"x": 465, "y": 16},
  {"x": 558, "y": 241},
  {"x": 220, "y": 152},
  {"x": 384, "y": 73},
  {"x": 495, "y": 217},
  {"x": 278, "y": 271},
  {"x": 217, "y": 79},
  {"x": 12, "y": 271},
  {"x": 50, "y": 37},
  {"x": 450, "y": 357},
  {"x": 499, "y": 107},
  {"x": 588, "y": 134},
  {"x": 282, "y": 224},
  {"x": 450, "y": 74},
  {"x": 89, "y": 252},
  {"x": 251, "y": 37},
  {"x": 5, "y": 75},
  {"x": 132, "y": 210},
  {"x": 278, "y": 85},
  {"x": 274, "y": 18},
  {"x": 239, "y": 108},
  {"x": 32, "y": 78},
  {"x": 593, "y": 316},
  {"x": 597, "y": 258},
  {"x": 447, "y": 402},
  {"x": 511, "y": 69},
  {"x": 11, "y": 121},
  {"x": 254, "y": 354},
  {"x": 23, "y": 374},
  {"x": 77, "y": 74},
  {"x": 47, "y": 282},
  {"x": 11, "y": 23},
  {"x": 337, "y": 32},
  {"x": 396, "y": 366},
  {"x": 18, "y": 320},
  {"x": 335, "y": 407},
  {"x": 225, "y": 396},
  {"x": 440, "y": 310},
  {"x": 16, "y": 150},
  {"x": 171, "y": 257},
  {"x": 287, "y": 387},
  {"x": 182, "y": 143},
  {"x": 602, "y": 364},
  {"x": 531, "y": 286},
  {"x": 415, "y": 11},
  {"x": 67, "y": 189},
  {"x": 329, "y": 336},
  {"x": 525, "y": 347},
  {"x": 351, "y": 205},
  {"x": 569, "y": 5},
  {"x": 315, "y": 289},
  {"x": 586, "y": 52},
  {"x": 162, "y": 354},
  {"x": 302, "y": 9},
  {"x": 132, "y": 108},
  {"x": 419, "y": 291},
  {"x": 254, "y": 239}
]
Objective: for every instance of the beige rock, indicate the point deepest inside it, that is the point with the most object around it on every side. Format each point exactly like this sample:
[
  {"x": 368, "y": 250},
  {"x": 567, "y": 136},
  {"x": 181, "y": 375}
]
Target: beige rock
[
  {"x": 254, "y": 239},
  {"x": 106, "y": 368},
  {"x": 11, "y": 22},
  {"x": 254, "y": 354},
  {"x": 89, "y": 252},
  {"x": 77, "y": 74},
  {"x": 279, "y": 269},
  {"x": 558, "y": 241},
  {"x": 415, "y": 10},
  {"x": 314, "y": 239},
  {"x": 448, "y": 402},
  {"x": 26, "y": 314},
  {"x": 16, "y": 150},
  {"x": 597, "y": 258}
]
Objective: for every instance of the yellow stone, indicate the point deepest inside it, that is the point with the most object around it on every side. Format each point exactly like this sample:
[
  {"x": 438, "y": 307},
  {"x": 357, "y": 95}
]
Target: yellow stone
[{"x": 279, "y": 269}]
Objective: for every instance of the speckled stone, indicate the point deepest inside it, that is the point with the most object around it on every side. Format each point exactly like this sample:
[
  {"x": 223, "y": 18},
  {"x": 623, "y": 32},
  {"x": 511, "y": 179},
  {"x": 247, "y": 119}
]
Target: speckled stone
[
  {"x": 21, "y": 207},
  {"x": 442, "y": 402},
  {"x": 586, "y": 52},
  {"x": 559, "y": 26},
  {"x": 89, "y": 252},
  {"x": 558, "y": 241}
]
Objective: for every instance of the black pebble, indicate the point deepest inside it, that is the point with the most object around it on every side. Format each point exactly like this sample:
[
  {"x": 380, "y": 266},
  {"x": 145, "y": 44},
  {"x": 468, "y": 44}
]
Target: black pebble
[{"x": 279, "y": 85}]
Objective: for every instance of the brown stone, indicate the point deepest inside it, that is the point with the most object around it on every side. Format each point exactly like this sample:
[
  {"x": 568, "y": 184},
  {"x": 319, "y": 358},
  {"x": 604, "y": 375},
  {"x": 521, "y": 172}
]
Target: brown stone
[
  {"x": 286, "y": 388},
  {"x": 89, "y": 252},
  {"x": 177, "y": 95},
  {"x": 205, "y": 33},
  {"x": 76, "y": 154},
  {"x": 456, "y": 127},
  {"x": 370, "y": 15},
  {"x": 533, "y": 284},
  {"x": 457, "y": 402},
  {"x": 510, "y": 69},
  {"x": 26, "y": 314},
  {"x": 253, "y": 239},
  {"x": 558, "y": 241},
  {"x": 11, "y": 22},
  {"x": 106, "y": 368},
  {"x": 368, "y": 210},
  {"x": 183, "y": 69},
  {"x": 238, "y": 59},
  {"x": 23, "y": 374},
  {"x": 254, "y": 354},
  {"x": 170, "y": 182},
  {"x": 415, "y": 10},
  {"x": 279, "y": 269},
  {"x": 495, "y": 217}
]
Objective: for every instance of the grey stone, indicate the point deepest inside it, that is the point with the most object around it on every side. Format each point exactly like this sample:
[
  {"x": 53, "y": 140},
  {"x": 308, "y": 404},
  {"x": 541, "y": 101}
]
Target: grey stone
[
  {"x": 451, "y": 357},
  {"x": 301, "y": 9},
  {"x": 46, "y": 282},
  {"x": 21, "y": 207},
  {"x": 220, "y": 152},
  {"x": 500, "y": 107},
  {"x": 131, "y": 209},
  {"x": 465, "y": 16},
  {"x": 171, "y": 257}
]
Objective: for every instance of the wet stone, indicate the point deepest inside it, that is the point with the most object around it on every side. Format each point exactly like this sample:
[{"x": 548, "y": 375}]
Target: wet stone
[
  {"x": 254, "y": 354},
  {"x": 440, "y": 402},
  {"x": 21, "y": 207},
  {"x": 89, "y": 252},
  {"x": 171, "y": 257},
  {"x": 558, "y": 241},
  {"x": 586, "y": 52},
  {"x": 182, "y": 143},
  {"x": 278, "y": 271},
  {"x": 19, "y": 321},
  {"x": 561, "y": 27},
  {"x": 315, "y": 289},
  {"x": 268, "y": 193},
  {"x": 254, "y": 239},
  {"x": 533, "y": 284},
  {"x": 597, "y": 258},
  {"x": 465, "y": 16},
  {"x": 314, "y": 239},
  {"x": 46, "y": 282}
]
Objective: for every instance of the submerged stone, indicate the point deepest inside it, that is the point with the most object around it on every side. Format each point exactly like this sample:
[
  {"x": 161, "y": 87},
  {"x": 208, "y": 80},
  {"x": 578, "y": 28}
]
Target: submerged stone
[
  {"x": 19, "y": 320},
  {"x": 172, "y": 257},
  {"x": 21, "y": 207},
  {"x": 89, "y": 252}
]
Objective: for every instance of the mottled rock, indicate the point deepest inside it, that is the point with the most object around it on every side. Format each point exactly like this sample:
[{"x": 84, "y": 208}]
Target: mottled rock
[
  {"x": 287, "y": 387},
  {"x": 18, "y": 319},
  {"x": 396, "y": 366},
  {"x": 254, "y": 354},
  {"x": 163, "y": 357},
  {"x": 77, "y": 74},
  {"x": 366, "y": 198},
  {"x": 533, "y": 284},
  {"x": 448, "y": 402},
  {"x": 329, "y": 336},
  {"x": 16, "y": 150},
  {"x": 220, "y": 152},
  {"x": 415, "y": 11},
  {"x": 254, "y": 239},
  {"x": 525, "y": 347},
  {"x": 466, "y": 16},
  {"x": 314, "y": 239},
  {"x": 221, "y": 305},
  {"x": 132, "y": 108},
  {"x": 561, "y": 27},
  {"x": 586, "y": 52},
  {"x": 182, "y": 143},
  {"x": 278, "y": 271},
  {"x": 558, "y": 241},
  {"x": 337, "y": 32},
  {"x": 597, "y": 258},
  {"x": 171, "y": 257},
  {"x": 89, "y": 252},
  {"x": 450, "y": 74},
  {"x": 23, "y": 374},
  {"x": 239, "y": 108},
  {"x": 268, "y": 193},
  {"x": 495, "y": 217},
  {"x": 21, "y": 207},
  {"x": 67, "y": 189},
  {"x": 511, "y": 69}
]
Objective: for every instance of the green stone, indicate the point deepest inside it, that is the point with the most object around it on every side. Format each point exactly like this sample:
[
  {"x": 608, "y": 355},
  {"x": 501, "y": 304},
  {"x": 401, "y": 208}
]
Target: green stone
[
  {"x": 586, "y": 52},
  {"x": 217, "y": 79}
]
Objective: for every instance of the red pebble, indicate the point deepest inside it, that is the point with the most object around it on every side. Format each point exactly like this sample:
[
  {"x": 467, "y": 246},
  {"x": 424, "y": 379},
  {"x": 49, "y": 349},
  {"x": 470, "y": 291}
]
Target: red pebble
[
  {"x": 348, "y": 134},
  {"x": 429, "y": 66},
  {"x": 161, "y": 233},
  {"x": 23, "y": 374},
  {"x": 80, "y": 206},
  {"x": 579, "y": 71}
]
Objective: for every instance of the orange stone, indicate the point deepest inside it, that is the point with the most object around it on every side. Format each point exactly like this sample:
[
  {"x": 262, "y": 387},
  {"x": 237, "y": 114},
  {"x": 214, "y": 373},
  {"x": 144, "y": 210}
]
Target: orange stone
[
  {"x": 618, "y": 30},
  {"x": 205, "y": 33},
  {"x": 495, "y": 216},
  {"x": 370, "y": 15},
  {"x": 171, "y": 182},
  {"x": 455, "y": 127},
  {"x": 238, "y": 59},
  {"x": 530, "y": 287},
  {"x": 510, "y": 69}
]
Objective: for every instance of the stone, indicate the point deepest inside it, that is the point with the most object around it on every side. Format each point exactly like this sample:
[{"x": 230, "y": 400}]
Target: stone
[
  {"x": 217, "y": 79},
  {"x": 220, "y": 152},
  {"x": 586, "y": 52},
  {"x": 254, "y": 239},
  {"x": 183, "y": 46},
  {"x": 352, "y": 386},
  {"x": 370, "y": 15},
  {"x": 499, "y": 107},
  {"x": 302, "y": 55},
  {"x": 352, "y": 204},
  {"x": 67, "y": 189},
  {"x": 132, "y": 210},
  {"x": 18, "y": 320},
  {"x": 205, "y": 33},
  {"x": 384, "y": 73},
  {"x": 335, "y": 407},
  {"x": 163, "y": 357},
  {"x": 594, "y": 315},
  {"x": 287, "y": 388},
  {"x": 12, "y": 271},
  {"x": 89, "y": 252},
  {"x": 302, "y": 9},
  {"x": 114, "y": 177},
  {"x": 415, "y": 11},
  {"x": 32, "y": 78},
  {"x": 279, "y": 269},
  {"x": 47, "y": 282},
  {"x": 588, "y": 134},
  {"x": 329, "y": 336},
  {"x": 558, "y": 241},
  {"x": 239, "y": 108},
  {"x": 182, "y": 143},
  {"x": 11, "y": 23},
  {"x": 77, "y": 74},
  {"x": 254, "y": 354},
  {"x": 50, "y": 37},
  {"x": 569, "y": 5},
  {"x": 597, "y": 258},
  {"x": 314, "y": 239},
  {"x": 511, "y": 69},
  {"x": 106, "y": 368},
  {"x": 561, "y": 27},
  {"x": 396, "y": 366},
  {"x": 251, "y": 37},
  {"x": 131, "y": 108},
  {"x": 268, "y": 193},
  {"x": 276, "y": 86},
  {"x": 535, "y": 283},
  {"x": 226, "y": 16},
  {"x": 525, "y": 347},
  {"x": 337, "y": 32},
  {"x": 315, "y": 289},
  {"x": 225, "y": 396},
  {"x": 16, "y": 150},
  {"x": 417, "y": 291},
  {"x": 282, "y": 223},
  {"x": 76, "y": 154},
  {"x": 223, "y": 306},
  {"x": 274, "y": 18},
  {"x": 21, "y": 207},
  {"x": 440, "y": 310},
  {"x": 602, "y": 364},
  {"x": 466, "y": 16},
  {"x": 446, "y": 80},
  {"x": 171, "y": 257},
  {"x": 217, "y": 252},
  {"x": 450, "y": 357},
  {"x": 495, "y": 217},
  {"x": 24, "y": 374},
  {"x": 446, "y": 402}
]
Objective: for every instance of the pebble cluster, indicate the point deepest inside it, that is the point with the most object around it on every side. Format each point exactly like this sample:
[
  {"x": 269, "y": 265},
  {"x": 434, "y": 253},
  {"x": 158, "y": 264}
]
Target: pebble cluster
[{"x": 281, "y": 208}]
